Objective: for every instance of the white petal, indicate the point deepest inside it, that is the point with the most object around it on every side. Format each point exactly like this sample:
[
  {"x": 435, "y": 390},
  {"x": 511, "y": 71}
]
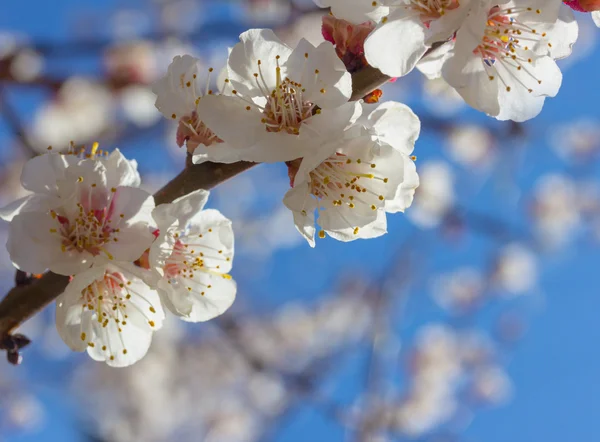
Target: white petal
[
  {"x": 228, "y": 118},
  {"x": 406, "y": 37},
  {"x": 562, "y": 33},
  {"x": 120, "y": 171},
  {"x": 136, "y": 206},
  {"x": 431, "y": 64},
  {"x": 596, "y": 18},
  {"x": 406, "y": 191},
  {"x": 126, "y": 348},
  {"x": 182, "y": 209},
  {"x": 521, "y": 105},
  {"x": 217, "y": 235},
  {"x": 41, "y": 173},
  {"x": 256, "y": 45},
  {"x": 218, "y": 295},
  {"x": 30, "y": 203},
  {"x": 329, "y": 125},
  {"x": 397, "y": 125},
  {"x": 344, "y": 230},
  {"x": 332, "y": 86},
  {"x": 33, "y": 248},
  {"x": 468, "y": 76},
  {"x": 303, "y": 206},
  {"x": 173, "y": 95}
]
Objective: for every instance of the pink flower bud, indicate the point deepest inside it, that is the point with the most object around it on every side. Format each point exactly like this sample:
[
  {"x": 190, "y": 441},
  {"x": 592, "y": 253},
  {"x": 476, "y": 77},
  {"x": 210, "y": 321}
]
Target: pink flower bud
[{"x": 348, "y": 39}]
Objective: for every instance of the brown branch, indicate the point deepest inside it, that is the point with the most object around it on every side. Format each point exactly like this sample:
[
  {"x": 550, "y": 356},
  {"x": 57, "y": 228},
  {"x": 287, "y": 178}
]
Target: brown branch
[{"x": 23, "y": 302}]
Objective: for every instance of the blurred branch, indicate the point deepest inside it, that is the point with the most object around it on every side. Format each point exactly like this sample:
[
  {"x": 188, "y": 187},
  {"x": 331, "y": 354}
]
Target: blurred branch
[{"x": 23, "y": 302}]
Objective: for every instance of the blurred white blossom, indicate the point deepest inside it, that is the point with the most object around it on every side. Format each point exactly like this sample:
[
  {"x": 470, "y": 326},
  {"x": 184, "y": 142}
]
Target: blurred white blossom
[
  {"x": 555, "y": 209},
  {"x": 435, "y": 196},
  {"x": 81, "y": 111},
  {"x": 515, "y": 270}
]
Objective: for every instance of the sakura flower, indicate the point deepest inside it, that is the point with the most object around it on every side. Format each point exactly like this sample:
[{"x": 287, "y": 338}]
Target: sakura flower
[
  {"x": 178, "y": 94},
  {"x": 356, "y": 11},
  {"x": 192, "y": 255},
  {"x": 109, "y": 312},
  {"x": 82, "y": 212},
  {"x": 353, "y": 182},
  {"x": 502, "y": 62},
  {"x": 412, "y": 27},
  {"x": 280, "y": 103}
]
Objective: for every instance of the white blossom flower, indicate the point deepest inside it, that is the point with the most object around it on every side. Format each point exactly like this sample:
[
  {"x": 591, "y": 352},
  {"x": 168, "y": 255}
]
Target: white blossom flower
[
  {"x": 412, "y": 27},
  {"x": 596, "y": 18},
  {"x": 178, "y": 94},
  {"x": 279, "y": 104},
  {"x": 351, "y": 183},
  {"x": 192, "y": 255},
  {"x": 82, "y": 212},
  {"x": 502, "y": 62},
  {"x": 516, "y": 269},
  {"x": 109, "y": 312},
  {"x": 356, "y": 11}
]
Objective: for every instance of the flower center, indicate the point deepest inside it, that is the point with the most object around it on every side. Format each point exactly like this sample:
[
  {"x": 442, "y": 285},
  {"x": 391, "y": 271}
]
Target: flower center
[
  {"x": 343, "y": 181},
  {"x": 188, "y": 258},
  {"x": 110, "y": 299},
  {"x": 192, "y": 131},
  {"x": 286, "y": 108},
  {"x": 90, "y": 228},
  {"x": 508, "y": 41}
]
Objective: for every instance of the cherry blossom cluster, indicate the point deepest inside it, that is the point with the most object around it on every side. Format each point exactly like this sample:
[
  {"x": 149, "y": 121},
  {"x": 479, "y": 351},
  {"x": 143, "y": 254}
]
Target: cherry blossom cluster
[
  {"x": 348, "y": 164},
  {"x": 499, "y": 56},
  {"x": 128, "y": 261}
]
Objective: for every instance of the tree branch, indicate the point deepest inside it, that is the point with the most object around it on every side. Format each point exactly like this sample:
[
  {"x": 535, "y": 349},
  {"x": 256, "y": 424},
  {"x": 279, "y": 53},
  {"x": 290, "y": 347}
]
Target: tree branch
[{"x": 23, "y": 302}]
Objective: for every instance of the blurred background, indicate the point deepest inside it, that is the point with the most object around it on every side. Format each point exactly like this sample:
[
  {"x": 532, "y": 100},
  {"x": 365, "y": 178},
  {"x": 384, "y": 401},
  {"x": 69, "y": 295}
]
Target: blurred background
[{"x": 473, "y": 319}]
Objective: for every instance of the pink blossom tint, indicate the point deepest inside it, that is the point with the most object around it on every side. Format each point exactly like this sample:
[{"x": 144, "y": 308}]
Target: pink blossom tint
[
  {"x": 583, "y": 5},
  {"x": 348, "y": 40}
]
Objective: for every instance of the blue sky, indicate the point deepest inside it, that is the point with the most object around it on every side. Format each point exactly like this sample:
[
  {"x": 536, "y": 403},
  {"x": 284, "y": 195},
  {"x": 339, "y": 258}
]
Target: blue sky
[{"x": 554, "y": 366}]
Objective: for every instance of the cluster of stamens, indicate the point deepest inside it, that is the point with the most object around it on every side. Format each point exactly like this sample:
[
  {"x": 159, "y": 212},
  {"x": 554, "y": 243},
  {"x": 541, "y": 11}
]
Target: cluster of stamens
[
  {"x": 89, "y": 229},
  {"x": 338, "y": 182},
  {"x": 507, "y": 41},
  {"x": 191, "y": 129},
  {"x": 83, "y": 152},
  {"x": 286, "y": 107},
  {"x": 189, "y": 257},
  {"x": 110, "y": 298}
]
